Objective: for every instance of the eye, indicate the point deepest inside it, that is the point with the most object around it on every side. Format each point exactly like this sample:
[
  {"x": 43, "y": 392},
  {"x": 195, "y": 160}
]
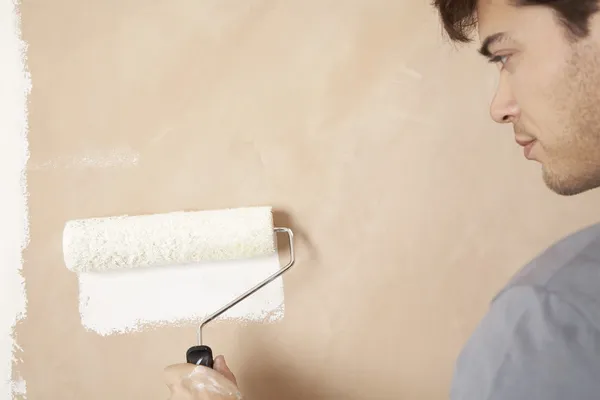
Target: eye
[{"x": 499, "y": 59}]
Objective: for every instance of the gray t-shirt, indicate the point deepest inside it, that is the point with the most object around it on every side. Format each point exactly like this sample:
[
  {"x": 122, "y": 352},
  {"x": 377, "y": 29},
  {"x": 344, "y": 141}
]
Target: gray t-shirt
[{"x": 541, "y": 337}]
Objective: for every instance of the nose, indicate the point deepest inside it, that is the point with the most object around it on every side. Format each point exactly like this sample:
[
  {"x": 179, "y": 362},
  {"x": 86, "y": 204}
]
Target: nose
[{"x": 504, "y": 107}]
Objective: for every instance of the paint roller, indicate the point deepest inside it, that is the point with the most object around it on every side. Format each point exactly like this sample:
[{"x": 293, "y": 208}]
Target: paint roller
[{"x": 109, "y": 244}]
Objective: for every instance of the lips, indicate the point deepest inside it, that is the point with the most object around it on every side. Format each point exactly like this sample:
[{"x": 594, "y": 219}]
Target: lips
[
  {"x": 527, "y": 146},
  {"x": 524, "y": 142}
]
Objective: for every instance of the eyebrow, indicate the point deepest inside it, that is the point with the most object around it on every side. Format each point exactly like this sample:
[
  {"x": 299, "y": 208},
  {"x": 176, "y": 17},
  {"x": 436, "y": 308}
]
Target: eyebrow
[{"x": 489, "y": 41}]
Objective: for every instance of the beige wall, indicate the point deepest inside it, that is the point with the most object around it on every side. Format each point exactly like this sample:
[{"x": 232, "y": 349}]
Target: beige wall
[{"x": 353, "y": 117}]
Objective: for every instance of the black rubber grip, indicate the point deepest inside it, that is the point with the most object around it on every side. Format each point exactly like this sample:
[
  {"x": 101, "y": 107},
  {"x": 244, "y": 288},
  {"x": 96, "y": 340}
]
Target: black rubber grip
[{"x": 200, "y": 355}]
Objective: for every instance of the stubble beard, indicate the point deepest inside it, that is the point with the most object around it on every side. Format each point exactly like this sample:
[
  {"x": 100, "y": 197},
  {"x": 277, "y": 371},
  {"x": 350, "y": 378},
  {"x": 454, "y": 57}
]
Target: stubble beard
[{"x": 573, "y": 159}]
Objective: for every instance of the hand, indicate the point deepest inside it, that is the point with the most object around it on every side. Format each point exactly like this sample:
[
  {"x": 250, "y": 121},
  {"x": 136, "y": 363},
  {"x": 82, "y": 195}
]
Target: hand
[
  {"x": 196, "y": 382},
  {"x": 220, "y": 366}
]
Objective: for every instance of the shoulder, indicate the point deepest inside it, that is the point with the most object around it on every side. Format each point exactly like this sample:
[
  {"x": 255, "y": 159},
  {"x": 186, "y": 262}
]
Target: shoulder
[
  {"x": 531, "y": 343},
  {"x": 580, "y": 246},
  {"x": 541, "y": 335}
]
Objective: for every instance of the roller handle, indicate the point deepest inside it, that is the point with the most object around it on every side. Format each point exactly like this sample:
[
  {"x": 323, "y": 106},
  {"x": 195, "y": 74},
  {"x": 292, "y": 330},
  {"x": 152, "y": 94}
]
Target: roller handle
[{"x": 200, "y": 355}]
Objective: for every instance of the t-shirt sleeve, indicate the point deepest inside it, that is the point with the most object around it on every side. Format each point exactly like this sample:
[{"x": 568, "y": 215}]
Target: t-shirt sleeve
[{"x": 531, "y": 345}]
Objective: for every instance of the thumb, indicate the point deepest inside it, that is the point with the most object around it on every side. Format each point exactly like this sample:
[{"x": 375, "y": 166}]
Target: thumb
[{"x": 221, "y": 367}]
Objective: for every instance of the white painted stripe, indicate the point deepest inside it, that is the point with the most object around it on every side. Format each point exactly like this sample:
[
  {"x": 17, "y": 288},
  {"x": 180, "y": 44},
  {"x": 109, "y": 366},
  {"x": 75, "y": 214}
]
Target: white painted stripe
[
  {"x": 116, "y": 158},
  {"x": 143, "y": 298},
  {"x": 14, "y": 153}
]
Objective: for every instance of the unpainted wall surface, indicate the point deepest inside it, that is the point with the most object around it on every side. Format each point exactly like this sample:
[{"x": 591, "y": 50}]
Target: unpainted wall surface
[{"x": 354, "y": 119}]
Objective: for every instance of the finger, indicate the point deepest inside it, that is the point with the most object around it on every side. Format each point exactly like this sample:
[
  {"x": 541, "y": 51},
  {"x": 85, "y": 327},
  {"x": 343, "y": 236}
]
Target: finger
[{"x": 221, "y": 366}]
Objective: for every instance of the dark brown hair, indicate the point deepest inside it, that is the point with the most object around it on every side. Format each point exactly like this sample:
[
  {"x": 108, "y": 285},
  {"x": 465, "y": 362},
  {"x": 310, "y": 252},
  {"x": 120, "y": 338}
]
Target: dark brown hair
[{"x": 459, "y": 19}]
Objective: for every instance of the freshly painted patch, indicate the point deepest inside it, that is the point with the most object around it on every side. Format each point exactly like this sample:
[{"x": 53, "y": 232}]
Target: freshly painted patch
[
  {"x": 14, "y": 153},
  {"x": 138, "y": 299}
]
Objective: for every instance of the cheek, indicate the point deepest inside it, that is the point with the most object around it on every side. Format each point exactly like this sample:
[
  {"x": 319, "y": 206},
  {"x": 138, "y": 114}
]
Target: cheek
[
  {"x": 536, "y": 90},
  {"x": 534, "y": 78}
]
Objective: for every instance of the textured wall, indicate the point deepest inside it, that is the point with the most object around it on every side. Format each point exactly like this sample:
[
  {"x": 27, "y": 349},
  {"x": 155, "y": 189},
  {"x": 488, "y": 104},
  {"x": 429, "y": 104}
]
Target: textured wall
[{"x": 354, "y": 118}]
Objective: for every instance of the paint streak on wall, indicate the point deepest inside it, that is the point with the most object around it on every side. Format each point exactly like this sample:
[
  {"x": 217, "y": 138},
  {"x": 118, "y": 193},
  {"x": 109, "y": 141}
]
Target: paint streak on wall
[
  {"x": 14, "y": 152},
  {"x": 178, "y": 295},
  {"x": 121, "y": 157}
]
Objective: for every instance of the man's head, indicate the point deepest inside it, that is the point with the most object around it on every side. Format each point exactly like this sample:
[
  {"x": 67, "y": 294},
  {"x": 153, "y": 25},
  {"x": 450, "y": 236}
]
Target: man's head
[{"x": 548, "y": 54}]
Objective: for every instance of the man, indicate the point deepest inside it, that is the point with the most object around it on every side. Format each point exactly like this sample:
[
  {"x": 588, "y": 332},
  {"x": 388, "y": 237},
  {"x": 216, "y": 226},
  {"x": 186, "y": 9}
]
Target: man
[{"x": 541, "y": 336}]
